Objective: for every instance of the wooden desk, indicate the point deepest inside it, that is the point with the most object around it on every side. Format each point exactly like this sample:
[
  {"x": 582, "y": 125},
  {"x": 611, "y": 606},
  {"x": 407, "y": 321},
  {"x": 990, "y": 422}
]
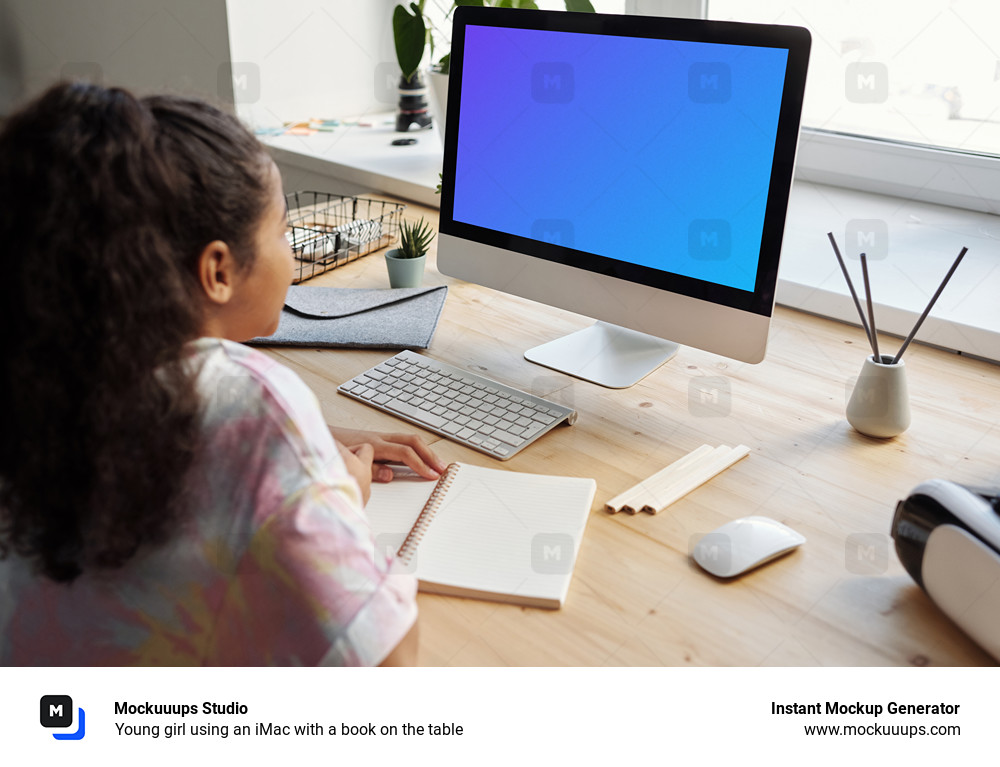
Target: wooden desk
[{"x": 636, "y": 597}]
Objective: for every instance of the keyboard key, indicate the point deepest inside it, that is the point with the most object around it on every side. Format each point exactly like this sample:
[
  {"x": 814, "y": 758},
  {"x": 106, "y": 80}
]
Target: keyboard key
[
  {"x": 439, "y": 410},
  {"x": 452, "y": 428},
  {"x": 462, "y": 419},
  {"x": 475, "y": 425},
  {"x": 435, "y": 422},
  {"x": 501, "y": 450},
  {"x": 490, "y": 419},
  {"x": 522, "y": 421},
  {"x": 491, "y": 444},
  {"x": 381, "y": 399},
  {"x": 531, "y": 431},
  {"x": 504, "y": 436},
  {"x": 475, "y": 439},
  {"x": 465, "y": 433}
]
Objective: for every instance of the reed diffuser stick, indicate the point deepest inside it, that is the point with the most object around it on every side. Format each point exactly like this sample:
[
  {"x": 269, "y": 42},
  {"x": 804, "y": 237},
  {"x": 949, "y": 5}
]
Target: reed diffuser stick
[
  {"x": 871, "y": 311},
  {"x": 927, "y": 311},
  {"x": 850, "y": 285}
]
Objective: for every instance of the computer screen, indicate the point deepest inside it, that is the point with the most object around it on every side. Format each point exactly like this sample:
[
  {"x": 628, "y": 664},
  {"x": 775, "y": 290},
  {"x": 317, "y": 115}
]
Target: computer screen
[{"x": 658, "y": 152}]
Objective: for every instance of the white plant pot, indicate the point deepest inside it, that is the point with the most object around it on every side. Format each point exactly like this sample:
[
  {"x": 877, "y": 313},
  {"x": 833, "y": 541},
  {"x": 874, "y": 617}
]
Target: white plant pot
[{"x": 438, "y": 93}]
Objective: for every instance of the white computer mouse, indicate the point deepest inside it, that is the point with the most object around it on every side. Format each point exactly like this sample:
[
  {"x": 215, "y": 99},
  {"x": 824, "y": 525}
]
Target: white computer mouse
[{"x": 744, "y": 544}]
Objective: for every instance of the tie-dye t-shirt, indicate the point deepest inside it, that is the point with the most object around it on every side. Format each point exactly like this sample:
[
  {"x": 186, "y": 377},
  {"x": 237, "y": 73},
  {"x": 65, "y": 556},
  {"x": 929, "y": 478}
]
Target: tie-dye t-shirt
[{"x": 274, "y": 564}]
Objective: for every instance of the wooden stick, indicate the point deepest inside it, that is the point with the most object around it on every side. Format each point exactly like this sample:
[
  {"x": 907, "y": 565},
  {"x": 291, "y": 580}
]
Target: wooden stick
[
  {"x": 628, "y": 500},
  {"x": 680, "y": 479},
  {"x": 871, "y": 311},
  {"x": 702, "y": 475},
  {"x": 927, "y": 311},
  {"x": 850, "y": 286}
]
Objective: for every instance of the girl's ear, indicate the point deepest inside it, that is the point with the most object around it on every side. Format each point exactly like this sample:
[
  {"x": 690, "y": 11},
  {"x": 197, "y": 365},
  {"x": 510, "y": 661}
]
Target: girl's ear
[{"x": 216, "y": 272}]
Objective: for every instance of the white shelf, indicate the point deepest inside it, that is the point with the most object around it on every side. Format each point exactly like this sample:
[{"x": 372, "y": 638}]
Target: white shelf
[{"x": 365, "y": 156}]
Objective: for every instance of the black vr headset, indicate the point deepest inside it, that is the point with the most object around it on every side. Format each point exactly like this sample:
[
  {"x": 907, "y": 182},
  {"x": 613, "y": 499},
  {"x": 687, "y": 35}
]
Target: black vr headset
[{"x": 948, "y": 538}]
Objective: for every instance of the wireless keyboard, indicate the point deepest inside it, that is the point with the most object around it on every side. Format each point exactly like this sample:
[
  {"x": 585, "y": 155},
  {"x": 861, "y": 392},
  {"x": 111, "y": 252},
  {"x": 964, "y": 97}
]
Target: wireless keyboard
[{"x": 470, "y": 409}]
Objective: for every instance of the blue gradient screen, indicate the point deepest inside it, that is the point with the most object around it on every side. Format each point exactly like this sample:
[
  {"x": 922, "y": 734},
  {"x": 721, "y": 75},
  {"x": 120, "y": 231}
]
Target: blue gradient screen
[{"x": 647, "y": 151}]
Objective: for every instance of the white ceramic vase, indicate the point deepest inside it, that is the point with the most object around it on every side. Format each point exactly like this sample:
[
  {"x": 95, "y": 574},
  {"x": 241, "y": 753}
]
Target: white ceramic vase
[{"x": 880, "y": 403}]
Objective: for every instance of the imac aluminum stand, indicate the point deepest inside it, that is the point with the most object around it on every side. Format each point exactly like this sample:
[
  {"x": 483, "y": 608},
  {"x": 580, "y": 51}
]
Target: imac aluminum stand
[{"x": 604, "y": 354}]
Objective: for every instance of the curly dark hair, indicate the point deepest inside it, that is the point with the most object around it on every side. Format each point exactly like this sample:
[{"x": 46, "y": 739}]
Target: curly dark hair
[{"x": 106, "y": 203}]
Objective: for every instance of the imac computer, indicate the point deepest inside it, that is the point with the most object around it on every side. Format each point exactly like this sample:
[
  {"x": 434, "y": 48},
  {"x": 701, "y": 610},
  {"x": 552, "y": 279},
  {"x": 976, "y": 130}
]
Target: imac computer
[{"x": 635, "y": 170}]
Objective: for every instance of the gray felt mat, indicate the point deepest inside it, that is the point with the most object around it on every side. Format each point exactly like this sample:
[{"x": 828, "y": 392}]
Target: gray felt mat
[{"x": 402, "y": 318}]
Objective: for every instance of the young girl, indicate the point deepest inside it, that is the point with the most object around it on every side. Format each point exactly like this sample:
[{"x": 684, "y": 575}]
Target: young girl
[{"x": 168, "y": 496}]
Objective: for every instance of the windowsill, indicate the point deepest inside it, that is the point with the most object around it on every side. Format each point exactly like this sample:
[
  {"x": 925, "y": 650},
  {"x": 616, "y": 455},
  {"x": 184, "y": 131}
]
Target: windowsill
[
  {"x": 366, "y": 156},
  {"x": 923, "y": 239}
]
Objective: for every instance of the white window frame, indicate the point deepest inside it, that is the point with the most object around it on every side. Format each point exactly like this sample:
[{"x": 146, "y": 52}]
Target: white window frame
[{"x": 928, "y": 174}]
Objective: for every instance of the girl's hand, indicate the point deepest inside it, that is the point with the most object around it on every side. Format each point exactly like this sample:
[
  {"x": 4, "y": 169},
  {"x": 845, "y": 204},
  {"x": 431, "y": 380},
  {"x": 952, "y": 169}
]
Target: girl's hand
[
  {"x": 358, "y": 460},
  {"x": 408, "y": 449}
]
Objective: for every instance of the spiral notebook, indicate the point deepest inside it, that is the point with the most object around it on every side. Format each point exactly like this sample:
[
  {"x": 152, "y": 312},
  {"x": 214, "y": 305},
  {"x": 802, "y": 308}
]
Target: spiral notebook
[{"x": 485, "y": 533}]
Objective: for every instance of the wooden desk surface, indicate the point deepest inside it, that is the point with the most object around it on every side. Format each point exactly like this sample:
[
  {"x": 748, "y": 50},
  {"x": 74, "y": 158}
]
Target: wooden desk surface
[{"x": 636, "y": 597}]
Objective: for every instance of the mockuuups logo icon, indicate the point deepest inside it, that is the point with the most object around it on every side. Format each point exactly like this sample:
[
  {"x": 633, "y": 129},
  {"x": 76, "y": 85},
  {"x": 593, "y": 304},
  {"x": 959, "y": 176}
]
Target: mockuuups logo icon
[{"x": 57, "y": 711}]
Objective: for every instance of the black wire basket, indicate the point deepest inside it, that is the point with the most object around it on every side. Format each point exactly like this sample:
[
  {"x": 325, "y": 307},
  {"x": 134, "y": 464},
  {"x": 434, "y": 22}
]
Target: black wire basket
[{"x": 330, "y": 230}]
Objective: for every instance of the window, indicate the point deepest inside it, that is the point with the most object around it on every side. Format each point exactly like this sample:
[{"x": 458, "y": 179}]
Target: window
[
  {"x": 902, "y": 98},
  {"x": 923, "y": 73}
]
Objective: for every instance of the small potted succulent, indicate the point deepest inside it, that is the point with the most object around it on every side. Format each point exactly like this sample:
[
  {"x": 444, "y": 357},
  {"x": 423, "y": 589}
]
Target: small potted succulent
[{"x": 406, "y": 263}]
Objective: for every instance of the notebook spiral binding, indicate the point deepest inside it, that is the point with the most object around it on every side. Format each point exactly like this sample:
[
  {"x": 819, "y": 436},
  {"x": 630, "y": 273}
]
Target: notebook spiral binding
[{"x": 409, "y": 547}]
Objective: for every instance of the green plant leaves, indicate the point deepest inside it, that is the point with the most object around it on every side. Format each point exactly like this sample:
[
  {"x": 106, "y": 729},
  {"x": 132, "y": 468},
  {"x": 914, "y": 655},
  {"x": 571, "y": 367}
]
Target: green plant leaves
[
  {"x": 409, "y": 34},
  {"x": 415, "y": 238},
  {"x": 580, "y": 6}
]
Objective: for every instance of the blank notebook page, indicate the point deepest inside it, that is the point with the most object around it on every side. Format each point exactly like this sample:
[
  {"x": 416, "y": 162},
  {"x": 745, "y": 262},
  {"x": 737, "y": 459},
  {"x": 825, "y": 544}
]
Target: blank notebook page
[{"x": 506, "y": 532}]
